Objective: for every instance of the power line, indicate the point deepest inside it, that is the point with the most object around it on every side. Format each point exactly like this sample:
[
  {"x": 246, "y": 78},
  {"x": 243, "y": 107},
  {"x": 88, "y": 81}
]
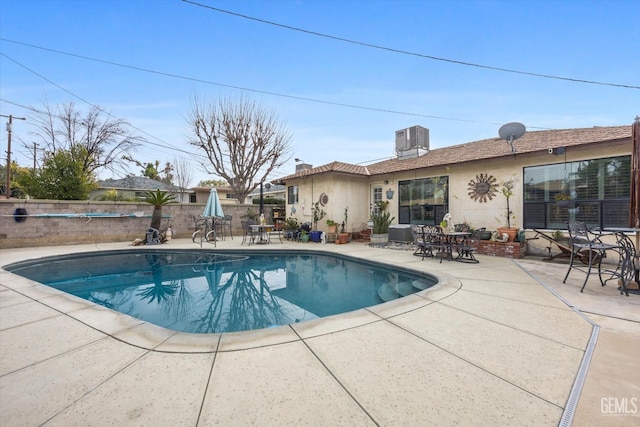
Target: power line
[
  {"x": 405, "y": 52},
  {"x": 168, "y": 146},
  {"x": 264, "y": 92}
]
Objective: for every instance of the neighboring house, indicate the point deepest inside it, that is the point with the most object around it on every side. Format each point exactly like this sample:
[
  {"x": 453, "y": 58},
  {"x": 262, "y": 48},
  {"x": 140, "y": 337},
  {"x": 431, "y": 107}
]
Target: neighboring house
[
  {"x": 136, "y": 187},
  {"x": 590, "y": 165},
  {"x": 276, "y": 191},
  {"x": 201, "y": 194},
  {"x": 226, "y": 195}
]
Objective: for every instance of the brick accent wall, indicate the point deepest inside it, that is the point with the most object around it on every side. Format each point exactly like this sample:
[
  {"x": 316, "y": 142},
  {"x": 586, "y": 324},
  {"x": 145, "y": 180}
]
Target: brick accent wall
[{"x": 513, "y": 250}]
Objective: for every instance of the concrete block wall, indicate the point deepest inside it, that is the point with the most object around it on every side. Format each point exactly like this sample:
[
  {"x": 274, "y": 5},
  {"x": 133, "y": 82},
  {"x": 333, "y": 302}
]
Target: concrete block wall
[{"x": 56, "y": 224}]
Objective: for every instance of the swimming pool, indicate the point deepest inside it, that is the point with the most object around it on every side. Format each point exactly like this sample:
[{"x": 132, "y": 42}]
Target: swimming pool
[{"x": 212, "y": 291}]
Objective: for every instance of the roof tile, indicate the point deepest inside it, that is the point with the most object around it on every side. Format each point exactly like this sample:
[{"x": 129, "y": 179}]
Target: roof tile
[{"x": 479, "y": 150}]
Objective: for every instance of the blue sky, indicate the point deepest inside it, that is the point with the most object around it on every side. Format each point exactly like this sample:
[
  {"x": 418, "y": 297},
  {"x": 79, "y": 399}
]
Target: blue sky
[{"x": 306, "y": 78}]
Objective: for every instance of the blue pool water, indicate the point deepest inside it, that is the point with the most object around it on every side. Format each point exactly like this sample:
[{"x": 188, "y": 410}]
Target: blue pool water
[{"x": 206, "y": 291}]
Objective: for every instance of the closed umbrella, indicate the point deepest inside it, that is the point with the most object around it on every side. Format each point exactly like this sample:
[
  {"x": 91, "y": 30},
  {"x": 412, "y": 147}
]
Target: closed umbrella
[
  {"x": 213, "y": 208},
  {"x": 634, "y": 206}
]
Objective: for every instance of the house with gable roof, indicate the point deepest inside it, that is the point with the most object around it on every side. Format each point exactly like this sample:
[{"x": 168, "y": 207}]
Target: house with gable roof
[
  {"x": 589, "y": 165},
  {"x": 136, "y": 187}
]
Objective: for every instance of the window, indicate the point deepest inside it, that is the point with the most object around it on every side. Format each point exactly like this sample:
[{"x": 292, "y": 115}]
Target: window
[
  {"x": 423, "y": 201},
  {"x": 376, "y": 198},
  {"x": 292, "y": 194},
  {"x": 598, "y": 188}
]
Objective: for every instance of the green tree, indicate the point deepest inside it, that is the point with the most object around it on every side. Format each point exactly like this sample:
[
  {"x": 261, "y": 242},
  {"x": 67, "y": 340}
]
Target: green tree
[
  {"x": 62, "y": 177},
  {"x": 17, "y": 192},
  {"x": 158, "y": 199},
  {"x": 151, "y": 170}
]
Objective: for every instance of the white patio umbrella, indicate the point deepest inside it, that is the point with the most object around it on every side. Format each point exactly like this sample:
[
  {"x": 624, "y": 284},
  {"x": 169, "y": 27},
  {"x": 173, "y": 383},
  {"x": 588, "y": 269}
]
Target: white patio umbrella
[{"x": 213, "y": 208}]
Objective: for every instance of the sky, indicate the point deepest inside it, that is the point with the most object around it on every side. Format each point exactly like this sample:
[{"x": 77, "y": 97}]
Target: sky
[{"x": 342, "y": 76}]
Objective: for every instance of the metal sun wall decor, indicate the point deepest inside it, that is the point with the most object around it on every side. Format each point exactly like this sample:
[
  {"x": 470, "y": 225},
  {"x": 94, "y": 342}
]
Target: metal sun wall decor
[{"x": 483, "y": 188}]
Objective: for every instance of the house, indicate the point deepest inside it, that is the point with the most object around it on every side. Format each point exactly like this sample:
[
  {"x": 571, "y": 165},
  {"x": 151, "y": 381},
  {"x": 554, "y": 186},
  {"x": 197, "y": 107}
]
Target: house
[
  {"x": 275, "y": 191},
  {"x": 136, "y": 187},
  {"x": 201, "y": 194},
  {"x": 590, "y": 165}
]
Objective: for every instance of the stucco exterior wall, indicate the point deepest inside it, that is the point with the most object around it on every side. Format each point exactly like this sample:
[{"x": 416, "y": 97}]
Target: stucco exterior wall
[
  {"x": 342, "y": 191},
  {"x": 356, "y": 192}
]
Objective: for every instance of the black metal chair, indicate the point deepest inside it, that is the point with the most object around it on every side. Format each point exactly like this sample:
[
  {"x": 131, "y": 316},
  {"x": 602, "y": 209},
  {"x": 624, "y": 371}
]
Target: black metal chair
[
  {"x": 249, "y": 235},
  {"x": 431, "y": 243},
  {"x": 624, "y": 270},
  {"x": 467, "y": 246},
  {"x": 582, "y": 240},
  {"x": 227, "y": 227}
]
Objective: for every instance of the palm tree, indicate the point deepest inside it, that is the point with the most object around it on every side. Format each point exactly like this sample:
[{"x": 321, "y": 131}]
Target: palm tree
[{"x": 158, "y": 199}]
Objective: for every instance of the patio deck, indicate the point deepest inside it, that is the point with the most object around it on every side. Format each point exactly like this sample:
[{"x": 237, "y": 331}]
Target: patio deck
[{"x": 496, "y": 343}]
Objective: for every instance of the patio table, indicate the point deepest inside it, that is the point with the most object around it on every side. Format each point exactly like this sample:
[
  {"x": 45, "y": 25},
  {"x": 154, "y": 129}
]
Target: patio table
[
  {"x": 263, "y": 232},
  {"x": 459, "y": 240}
]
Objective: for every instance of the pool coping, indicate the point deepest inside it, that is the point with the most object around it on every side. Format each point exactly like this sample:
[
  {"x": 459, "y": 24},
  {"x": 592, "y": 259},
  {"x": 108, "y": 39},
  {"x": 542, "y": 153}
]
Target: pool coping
[
  {"x": 146, "y": 335},
  {"x": 465, "y": 278}
]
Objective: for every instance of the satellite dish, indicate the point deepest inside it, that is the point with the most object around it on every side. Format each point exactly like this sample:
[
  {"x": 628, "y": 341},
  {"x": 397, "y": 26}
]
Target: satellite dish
[{"x": 512, "y": 131}]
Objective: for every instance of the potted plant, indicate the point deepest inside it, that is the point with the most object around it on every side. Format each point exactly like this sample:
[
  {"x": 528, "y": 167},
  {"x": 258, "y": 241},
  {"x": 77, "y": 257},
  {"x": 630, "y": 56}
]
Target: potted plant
[
  {"x": 564, "y": 200},
  {"x": 291, "y": 227},
  {"x": 381, "y": 221},
  {"x": 506, "y": 189},
  {"x": 332, "y": 226},
  {"x": 318, "y": 214},
  {"x": 304, "y": 236}
]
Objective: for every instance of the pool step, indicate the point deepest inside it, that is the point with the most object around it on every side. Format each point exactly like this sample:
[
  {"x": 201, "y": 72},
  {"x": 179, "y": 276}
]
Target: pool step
[
  {"x": 405, "y": 288},
  {"x": 387, "y": 292},
  {"x": 422, "y": 284}
]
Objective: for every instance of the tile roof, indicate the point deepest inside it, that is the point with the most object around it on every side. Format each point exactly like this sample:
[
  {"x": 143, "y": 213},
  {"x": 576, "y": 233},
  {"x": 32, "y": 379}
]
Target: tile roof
[
  {"x": 341, "y": 167},
  {"x": 480, "y": 150}
]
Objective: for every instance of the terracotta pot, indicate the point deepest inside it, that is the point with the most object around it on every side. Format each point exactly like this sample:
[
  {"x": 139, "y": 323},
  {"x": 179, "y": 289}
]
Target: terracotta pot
[
  {"x": 332, "y": 229},
  {"x": 343, "y": 238},
  {"x": 512, "y": 232}
]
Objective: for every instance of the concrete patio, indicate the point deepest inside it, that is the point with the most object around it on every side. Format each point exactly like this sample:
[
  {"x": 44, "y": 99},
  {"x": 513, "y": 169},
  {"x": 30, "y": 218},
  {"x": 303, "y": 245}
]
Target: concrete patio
[{"x": 501, "y": 342}]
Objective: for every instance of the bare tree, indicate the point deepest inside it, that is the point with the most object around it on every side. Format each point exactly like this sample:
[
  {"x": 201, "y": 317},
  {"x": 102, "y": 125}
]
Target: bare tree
[
  {"x": 105, "y": 139},
  {"x": 243, "y": 141},
  {"x": 182, "y": 174}
]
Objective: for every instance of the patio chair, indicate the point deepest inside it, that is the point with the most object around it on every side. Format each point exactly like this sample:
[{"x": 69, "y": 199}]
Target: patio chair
[
  {"x": 249, "y": 235},
  {"x": 467, "y": 246},
  {"x": 581, "y": 239},
  {"x": 227, "y": 227},
  {"x": 432, "y": 243},
  {"x": 624, "y": 270}
]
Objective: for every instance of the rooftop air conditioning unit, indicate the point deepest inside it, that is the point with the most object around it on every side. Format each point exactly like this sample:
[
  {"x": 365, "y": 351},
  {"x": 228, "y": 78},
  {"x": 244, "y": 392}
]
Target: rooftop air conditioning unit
[
  {"x": 415, "y": 136},
  {"x": 414, "y": 139}
]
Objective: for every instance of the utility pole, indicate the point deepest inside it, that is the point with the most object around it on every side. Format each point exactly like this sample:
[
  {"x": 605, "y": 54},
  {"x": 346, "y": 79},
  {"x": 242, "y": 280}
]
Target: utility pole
[
  {"x": 35, "y": 148},
  {"x": 7, "y": 188}
]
